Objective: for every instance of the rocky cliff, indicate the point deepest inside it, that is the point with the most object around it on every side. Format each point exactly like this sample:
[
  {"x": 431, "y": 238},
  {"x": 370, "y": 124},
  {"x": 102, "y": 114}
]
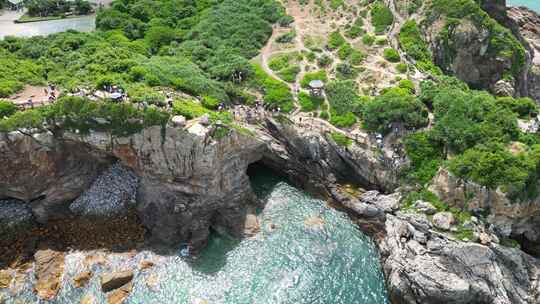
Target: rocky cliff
[
  {"x": 519, "y": 220},
  {"x": 188, "y": 181}
]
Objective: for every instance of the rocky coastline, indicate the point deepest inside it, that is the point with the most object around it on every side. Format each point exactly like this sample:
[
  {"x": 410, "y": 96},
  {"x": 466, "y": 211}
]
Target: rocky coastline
[
  {"x": 164, "y": 186},
  {"x": 422, "y": 260}
]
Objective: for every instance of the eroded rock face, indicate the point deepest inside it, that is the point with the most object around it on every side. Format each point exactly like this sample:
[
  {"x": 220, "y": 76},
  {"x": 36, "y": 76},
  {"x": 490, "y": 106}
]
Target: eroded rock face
[
  {"x": 435, "y": 269},
  {"x": 519, "y": 220},
  {"x": 47, "y": 172},
  {"x": 49, "y": 269},
  {"x": 187, "y": 181},
  {"x": 527, "y": 22},
  {"x": 315, "y": 162}
]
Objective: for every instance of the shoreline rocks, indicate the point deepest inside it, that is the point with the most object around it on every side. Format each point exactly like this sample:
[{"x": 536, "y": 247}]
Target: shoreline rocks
[{"x": 115, "y": 280}]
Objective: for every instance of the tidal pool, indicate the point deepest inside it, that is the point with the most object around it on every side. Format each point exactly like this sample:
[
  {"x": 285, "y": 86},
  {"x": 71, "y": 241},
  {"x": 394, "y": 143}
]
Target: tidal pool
[{"x": 305, "y": 253}]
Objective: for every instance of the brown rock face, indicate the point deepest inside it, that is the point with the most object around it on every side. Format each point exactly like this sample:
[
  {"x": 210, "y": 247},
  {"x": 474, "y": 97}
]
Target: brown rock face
[
  {"x": 111, "y": 281},
  {"x": 46, "y": 171},
  {"x": 519, "y": 220},
  {"x": 81, "y": 279},
  {"x": 119, "y": 295},
  {"x": 5, "y": 278},
  {"x": 49, "y": 269}
]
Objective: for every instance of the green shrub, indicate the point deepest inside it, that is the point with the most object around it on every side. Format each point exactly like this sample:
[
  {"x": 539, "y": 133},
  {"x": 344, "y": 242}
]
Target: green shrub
[
  {"x": 354, "y": 32},
  {"x": 524, "y": 107},
  {"x": 402, "y": 67},
  {"x": 343, "y": 121},
  {"x": 308, "y": 102},
  {"x": 411, "y": 41},
  {"x": 276, "y": 93},
  {"x": 343, "y": 98},
  {"x": 340, "y": 139},
  {"x": 325, "y": 60},
  {"x": 286, "y": 20},
  {"x": 7, "y": 108},
  {"x": 368, "y": 39},
  {"x": 407, "y": 85},
  {"x": 324, "y": 115},
  {"x": 289, "y": 74},
  {"x": 391, "y": 55},
  {"x": 381, "y": 41},
  {"x": 287, "y": 37},
  {"x": 189, "y": 109},
  {"x": 356, "y": 57},
  {"x": 210, "y": 102},
  {"x": 381, "y": 17},
  {"x": 335, "y": 40},
  {"x": 345, "y": 51},
  {"x": 395, "y": 106}
]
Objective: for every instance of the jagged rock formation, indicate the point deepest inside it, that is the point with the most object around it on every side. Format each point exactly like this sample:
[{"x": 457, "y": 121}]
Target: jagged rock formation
[
  {"x": 47, "y": 172},
  {"x": 423, "y": 265},
  {"x": 315, "y": 162},
  {"x": 527, "y": 23},
  {"x": 188, "y": 182},
  {"x": 519, "y": 220}
]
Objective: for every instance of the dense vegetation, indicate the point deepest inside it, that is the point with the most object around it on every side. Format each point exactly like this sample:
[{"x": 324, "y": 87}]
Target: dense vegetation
[
  {"x": 476, "y": 136},
  {"x": 412, "y": 42},
  {"x": 81, "y": 115},
  {"x": 381, "y": 16},
  {"x": 44, "y": 8},
  {"x": 198, "y": 47}
]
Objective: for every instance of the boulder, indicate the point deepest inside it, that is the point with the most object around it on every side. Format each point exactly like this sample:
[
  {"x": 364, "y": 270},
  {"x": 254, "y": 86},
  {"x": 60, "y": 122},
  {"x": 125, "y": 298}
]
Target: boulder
[
  {"x": 503, "y": 88},
  {"x": 443, "y": 220},
  {"x": 88, "y": 299},
  {"x": 205, "y": 120},
  {"x": 425, "y": 207},
  {"x": 5, "y": 278},
  {"x": 119, "y": 295},
  {"x": 114, "y": 280},
  {"x": 146, "y": 265},
  {"x": 252, "y": 225},
  {"x": 81, "y": 279},
  {"x": 152, "y": 281},
  {"x": 49, "y": 268},
  {"x": 178, "y": 121}
]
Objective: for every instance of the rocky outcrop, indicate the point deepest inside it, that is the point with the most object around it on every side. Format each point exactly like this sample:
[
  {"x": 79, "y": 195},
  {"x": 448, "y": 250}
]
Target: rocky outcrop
[
  {"x": 47, "y": 172},
  {"x": 115, "y": 280},
  {"x": 527, "y": 23},
  {"x": 315, "y": 162},
  {"x": 423, "y": 266},
  {"x": 49, "y": 269},
  {"x": 187, "y": 181},
  {"x": 519, "y": 220}
]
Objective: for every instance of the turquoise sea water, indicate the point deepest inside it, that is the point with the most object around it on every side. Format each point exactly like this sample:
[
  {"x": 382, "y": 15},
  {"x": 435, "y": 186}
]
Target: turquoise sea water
[
  {"x": 532, "y": 4},
  {"x": 292, "y": 263}
]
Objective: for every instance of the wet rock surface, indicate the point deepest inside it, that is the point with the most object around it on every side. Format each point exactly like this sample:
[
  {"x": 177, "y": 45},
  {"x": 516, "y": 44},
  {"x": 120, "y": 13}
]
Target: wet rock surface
[
  {"x": 114, "y": 280},
  {"x": 49, "y": 269}
]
